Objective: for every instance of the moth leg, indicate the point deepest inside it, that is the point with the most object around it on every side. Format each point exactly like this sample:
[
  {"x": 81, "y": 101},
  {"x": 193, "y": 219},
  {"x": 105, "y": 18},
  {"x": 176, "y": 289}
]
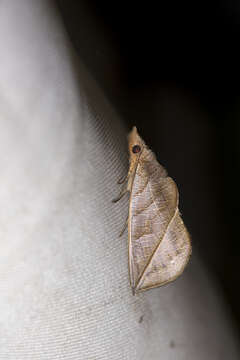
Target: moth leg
[
  {"x": 122, "y": 193},
  {"x": 124, "y": 227},
  {"x": 123, "y": 179}
]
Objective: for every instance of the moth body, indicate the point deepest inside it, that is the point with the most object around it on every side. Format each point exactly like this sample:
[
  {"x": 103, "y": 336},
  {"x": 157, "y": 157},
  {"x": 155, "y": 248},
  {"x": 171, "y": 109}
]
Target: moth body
[{"x": 158, "y": 242}]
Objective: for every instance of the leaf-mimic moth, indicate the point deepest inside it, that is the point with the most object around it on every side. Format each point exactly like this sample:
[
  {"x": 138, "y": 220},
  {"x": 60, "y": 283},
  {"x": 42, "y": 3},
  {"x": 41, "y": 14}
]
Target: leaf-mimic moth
[{"x": 158, "y": 242}]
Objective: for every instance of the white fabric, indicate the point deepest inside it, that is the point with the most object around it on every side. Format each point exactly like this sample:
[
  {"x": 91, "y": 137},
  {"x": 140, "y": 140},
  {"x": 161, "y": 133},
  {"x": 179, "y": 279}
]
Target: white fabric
[{"x": 64, "y": 289}]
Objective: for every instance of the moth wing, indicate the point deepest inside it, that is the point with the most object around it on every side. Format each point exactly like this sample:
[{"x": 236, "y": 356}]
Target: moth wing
[
  {"x": 170, "y": 257},
  {"x": 153, "y": 204}
]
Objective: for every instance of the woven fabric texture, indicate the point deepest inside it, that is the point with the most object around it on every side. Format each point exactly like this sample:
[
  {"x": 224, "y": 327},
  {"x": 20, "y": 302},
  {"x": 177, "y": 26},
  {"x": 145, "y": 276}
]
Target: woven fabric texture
[{"x": 64, "y": 288}]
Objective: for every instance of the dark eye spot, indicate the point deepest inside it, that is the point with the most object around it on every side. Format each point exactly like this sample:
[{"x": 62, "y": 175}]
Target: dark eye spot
[{"x": 136, "y": 149}]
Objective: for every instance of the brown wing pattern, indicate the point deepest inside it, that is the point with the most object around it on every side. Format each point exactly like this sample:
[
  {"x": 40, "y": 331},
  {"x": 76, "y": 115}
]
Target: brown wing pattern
[{"x": 159, "y": 245}]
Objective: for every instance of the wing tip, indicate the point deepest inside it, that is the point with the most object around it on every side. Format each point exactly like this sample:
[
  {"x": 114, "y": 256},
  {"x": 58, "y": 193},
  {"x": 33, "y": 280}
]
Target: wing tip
[{"x": 141, "y": 288}]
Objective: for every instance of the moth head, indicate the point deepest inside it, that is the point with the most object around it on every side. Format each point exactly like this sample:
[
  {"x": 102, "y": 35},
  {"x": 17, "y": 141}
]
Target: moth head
[{"x": 135, "y": 144}]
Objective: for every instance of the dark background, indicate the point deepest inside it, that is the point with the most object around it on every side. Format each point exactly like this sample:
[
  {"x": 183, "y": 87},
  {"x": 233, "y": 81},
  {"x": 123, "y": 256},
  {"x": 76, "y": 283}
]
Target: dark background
[{"x": 172, "y": 69}]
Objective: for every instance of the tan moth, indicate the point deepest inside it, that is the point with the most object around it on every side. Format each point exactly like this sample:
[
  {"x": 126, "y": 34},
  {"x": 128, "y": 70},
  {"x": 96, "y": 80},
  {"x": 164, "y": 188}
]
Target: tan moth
[{"x": 158, "y": 242}]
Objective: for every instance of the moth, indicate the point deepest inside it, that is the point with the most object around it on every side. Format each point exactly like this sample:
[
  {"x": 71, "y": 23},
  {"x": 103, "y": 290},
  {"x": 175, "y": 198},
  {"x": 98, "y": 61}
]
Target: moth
[{"x": 158, "y": 242}]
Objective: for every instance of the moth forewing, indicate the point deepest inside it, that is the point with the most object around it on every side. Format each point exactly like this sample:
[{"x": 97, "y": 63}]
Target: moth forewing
[
  {"x": 170, "y": 257},
  {"x": 159, "y": 244}
]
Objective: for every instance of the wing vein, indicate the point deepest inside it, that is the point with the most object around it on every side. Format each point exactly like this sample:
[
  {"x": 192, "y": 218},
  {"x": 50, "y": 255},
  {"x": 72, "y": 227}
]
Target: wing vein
[{"x": 160, "y": 240}]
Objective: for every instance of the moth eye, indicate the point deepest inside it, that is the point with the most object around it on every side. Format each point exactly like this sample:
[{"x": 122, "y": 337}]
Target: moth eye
[{"x": 136, "y": 149}]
